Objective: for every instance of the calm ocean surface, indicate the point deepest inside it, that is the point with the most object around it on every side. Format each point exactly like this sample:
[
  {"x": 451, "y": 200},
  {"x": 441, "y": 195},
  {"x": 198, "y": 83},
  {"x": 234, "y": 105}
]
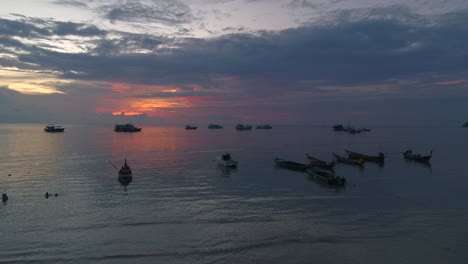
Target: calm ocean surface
[{"x": 182, "y": 208}]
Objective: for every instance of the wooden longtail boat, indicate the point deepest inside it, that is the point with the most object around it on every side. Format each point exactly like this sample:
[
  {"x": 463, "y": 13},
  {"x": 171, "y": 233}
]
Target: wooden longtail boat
[
  {"x": 326, "y": 177},
  {"x": 409, "y": 155},
  {"x": 314, "y": 162},
  {"x": 353, "y": 155},
  {"x": 359, "y": 162},
  {"x": 290, "y": 164}
]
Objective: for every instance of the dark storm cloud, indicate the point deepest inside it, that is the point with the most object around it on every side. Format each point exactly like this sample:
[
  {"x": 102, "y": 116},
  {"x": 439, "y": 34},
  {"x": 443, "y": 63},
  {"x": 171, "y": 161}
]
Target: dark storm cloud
[
  {"x": 170, "y": 12},
  {"x": 36, "y": 27},
  {"x": 356, "y": 47},
  {"x": 153, "y": 11}
]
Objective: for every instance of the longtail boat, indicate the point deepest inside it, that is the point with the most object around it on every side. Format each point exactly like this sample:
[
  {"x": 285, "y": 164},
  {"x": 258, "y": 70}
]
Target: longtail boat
[
  {"x": 353, "y": 155},
  {"x": 409, "y": 155},
  {"x": 338, "y": 158},
  {"x": 125, "y": 171},
  {"x": 326, "y": 177},
  {"x": 314, "y": 162},
  {"x": 290, "y": 164}
]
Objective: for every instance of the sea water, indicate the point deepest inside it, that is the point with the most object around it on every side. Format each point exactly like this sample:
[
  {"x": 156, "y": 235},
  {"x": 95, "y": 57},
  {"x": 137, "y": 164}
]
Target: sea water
[{"x": 181, "y": 207}]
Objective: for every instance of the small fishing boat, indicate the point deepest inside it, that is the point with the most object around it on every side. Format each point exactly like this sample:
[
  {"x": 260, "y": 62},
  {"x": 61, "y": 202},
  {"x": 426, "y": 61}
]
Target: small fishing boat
[
  {"x": 338, "y": 127},
  {"x": 126, "y": 128},
  {"x": 338, "y": 158},
  {"x": 226, "y": 160},
  {"x": 326, "y": 177},
  {"x": 125, "y": 171},
  {"x": 243, "y": 127},
  {"x": 189, "y": 127},
  {"x": 290, "y": 164},
  {"x": 409, "y": 155},
  {"x": 53, "y": 128},
  {"x": 314, "y": 162},
  {"x": 214, "y": 126},
  {"x": 353, "y": 155}
]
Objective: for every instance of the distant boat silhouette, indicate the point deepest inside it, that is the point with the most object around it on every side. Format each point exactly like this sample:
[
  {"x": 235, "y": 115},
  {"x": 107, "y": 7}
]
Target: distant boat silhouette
[
  {"x": 53, "y": 128},
  {"x": 126, "y": 128},
  {"x": 465, "y": 125},
  {"x": 243, "y": 127},
  {"x": 214, "y": 126}
]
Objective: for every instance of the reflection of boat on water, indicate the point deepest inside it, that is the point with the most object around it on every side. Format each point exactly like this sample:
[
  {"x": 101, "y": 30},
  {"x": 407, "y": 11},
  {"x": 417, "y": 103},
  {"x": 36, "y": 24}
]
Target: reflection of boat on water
[
  {"x": 125, "y": 180},
  {"x": 263, "y": 127},
  {"x": 243, "y": 127},
  {"x": 287, "y": 164},
  {"x": 226, "y": 160},
  {"x": 53, "y": 128},
  {"x": 359, "y": 162},
  {"x": 326, "y": 177},
  {"x": 190, "y": 127},
  {"x": 214, "y": 126},
  {"x": 314, "y": 162},
  {"x": 126, "y": 128},
  {"x": 409, "y": 155},
  {"x": 353, "y": 155}
]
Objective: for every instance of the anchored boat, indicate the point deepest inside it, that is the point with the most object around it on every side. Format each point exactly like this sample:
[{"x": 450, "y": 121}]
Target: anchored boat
[
  {"x": 314, "y": 162},
  {"x": 409, "y": 155},
  {"x": 326, "y": 177},
  {"x": 358, "y": 162},
  {"x": 354, "y": 155},
  {"x": 53, "y": 128},
  {"x": 226, "y": 160}
]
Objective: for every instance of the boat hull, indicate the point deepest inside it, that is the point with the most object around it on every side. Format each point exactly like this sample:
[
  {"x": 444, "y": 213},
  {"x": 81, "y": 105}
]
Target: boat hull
[
  {"x": 354, "y": 155},
  {"x": 287, "y": 164},
  {"x": 314, "y": 162},
  {"x": 408, "y": 155},
  {"x": 358, "y": 162},
  {"x": 326, "y": 177}
]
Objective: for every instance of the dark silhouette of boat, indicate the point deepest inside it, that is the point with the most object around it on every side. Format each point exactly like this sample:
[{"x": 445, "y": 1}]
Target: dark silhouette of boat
[
  {"x": 326, "y": 177},
  {"x": 354, "y": 155},
  {"x": 290, "y": 164},
  {"x": 358, "y": 162},
  {"x": 126, "y": 128},
  {"x": 226, "y": 160},
  {"x": 53, "y": 128},
  {"x": 409, "y": 155},
  {"x": 243, "y": 127},
  {"x": 465, "y": 125},
  {"x": 214, "y": 126},
  {"x": 338, "y": 127},
  {"x": 314, "y": 162},
  {"x": 263, "y": 127},
  {"x": 125, "y": 171},
  {"x": 189, "y": 127}
]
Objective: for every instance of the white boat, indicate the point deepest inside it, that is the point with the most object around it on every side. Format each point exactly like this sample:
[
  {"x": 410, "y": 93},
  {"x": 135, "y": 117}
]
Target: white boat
[{"x": 226, "y": 160}]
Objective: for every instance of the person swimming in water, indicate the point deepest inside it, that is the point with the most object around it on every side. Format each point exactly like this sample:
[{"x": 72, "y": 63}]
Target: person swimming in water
[{"x": 4, "y": 198}]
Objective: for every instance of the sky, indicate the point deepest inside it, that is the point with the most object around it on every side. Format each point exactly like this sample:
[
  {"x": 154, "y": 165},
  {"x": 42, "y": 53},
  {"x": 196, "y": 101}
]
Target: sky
[{"x": 174, "y": 62}]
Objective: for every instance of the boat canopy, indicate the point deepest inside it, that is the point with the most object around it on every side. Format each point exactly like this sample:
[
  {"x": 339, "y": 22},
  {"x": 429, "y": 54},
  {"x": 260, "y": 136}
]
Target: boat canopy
[{"x": 226, "y": 156}]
